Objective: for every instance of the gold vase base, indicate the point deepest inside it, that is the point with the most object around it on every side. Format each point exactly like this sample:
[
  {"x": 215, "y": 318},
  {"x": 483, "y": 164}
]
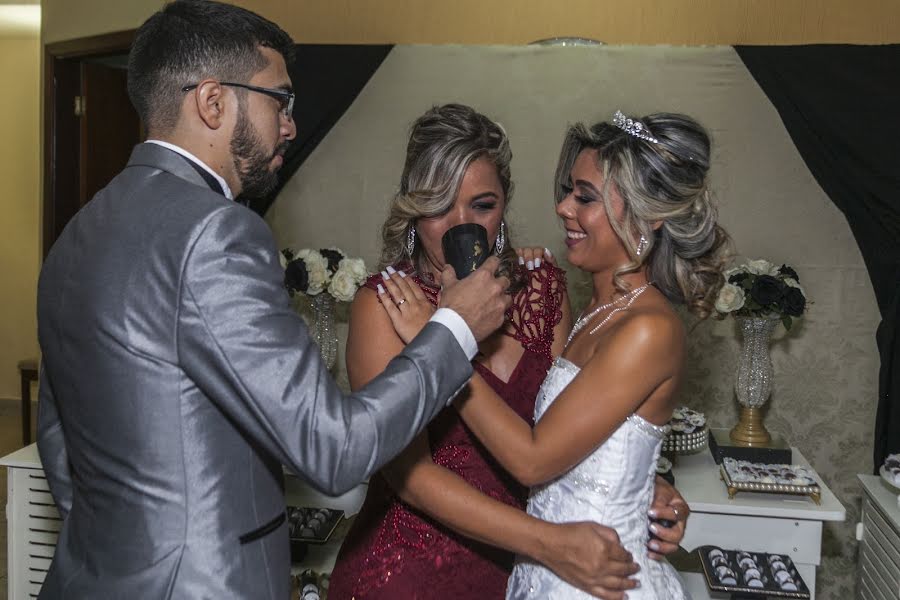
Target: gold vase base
[{"x": 750, "y": 430}]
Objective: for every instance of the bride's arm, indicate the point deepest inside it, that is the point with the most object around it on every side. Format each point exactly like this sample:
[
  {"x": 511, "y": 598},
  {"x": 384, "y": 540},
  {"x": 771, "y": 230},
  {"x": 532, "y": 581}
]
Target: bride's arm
[
  {"x": 586, "y": 554},
  {"x": 623, "y": 371}
]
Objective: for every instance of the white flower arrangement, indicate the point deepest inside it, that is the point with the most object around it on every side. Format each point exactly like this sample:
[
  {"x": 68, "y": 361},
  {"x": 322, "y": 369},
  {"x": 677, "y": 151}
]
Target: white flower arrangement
[
  {"x": 759, "y": 288},
  {"x": 312, "y": 272}
]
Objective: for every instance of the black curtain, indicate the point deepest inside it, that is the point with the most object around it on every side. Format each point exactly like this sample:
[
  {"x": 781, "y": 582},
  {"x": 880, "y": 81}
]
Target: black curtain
[
  {"x": 327, "y": 79},
  {"x": 840, "y": 105}
]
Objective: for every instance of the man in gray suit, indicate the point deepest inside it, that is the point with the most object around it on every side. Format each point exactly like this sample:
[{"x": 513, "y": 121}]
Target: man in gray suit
[{"x": 176, "y": 379}]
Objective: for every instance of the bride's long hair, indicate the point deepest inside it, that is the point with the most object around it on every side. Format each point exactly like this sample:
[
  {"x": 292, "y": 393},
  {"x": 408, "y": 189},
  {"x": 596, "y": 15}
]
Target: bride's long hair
[{"x": 663, "y": 181}]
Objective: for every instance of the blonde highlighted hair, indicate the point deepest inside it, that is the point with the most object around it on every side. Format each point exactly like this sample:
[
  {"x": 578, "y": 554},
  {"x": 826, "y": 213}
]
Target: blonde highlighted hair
[
  {"x": 663, "y": 182},
  {"x": 443, "y": 142}
]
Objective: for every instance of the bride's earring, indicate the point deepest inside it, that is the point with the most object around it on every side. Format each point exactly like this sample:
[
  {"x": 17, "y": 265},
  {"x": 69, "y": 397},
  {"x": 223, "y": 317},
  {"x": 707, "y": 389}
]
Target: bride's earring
[
  {"x": 501, "y": 239},
  {"x": 411, "y": 241},
  {"x": 642, "y": 245}
]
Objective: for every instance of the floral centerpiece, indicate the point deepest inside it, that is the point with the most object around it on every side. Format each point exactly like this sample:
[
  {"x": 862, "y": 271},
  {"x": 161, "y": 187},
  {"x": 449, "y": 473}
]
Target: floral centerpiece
[
  {"x": 312, "y": 272},
  {"x": 760, "y": 289},
  {"x": 759, "y": 295},
  {"x": 324, "y": 276}
]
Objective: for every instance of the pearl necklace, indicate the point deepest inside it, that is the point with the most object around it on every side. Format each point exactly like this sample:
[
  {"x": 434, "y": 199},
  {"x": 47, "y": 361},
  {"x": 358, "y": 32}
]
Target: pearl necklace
[{"x": 585, "y": 319}]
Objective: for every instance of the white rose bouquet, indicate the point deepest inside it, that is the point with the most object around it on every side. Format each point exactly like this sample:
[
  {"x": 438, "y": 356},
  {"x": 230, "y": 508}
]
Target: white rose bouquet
[
  {"x": 758, "y": 288},
  {"x": 312, "y": 272}
]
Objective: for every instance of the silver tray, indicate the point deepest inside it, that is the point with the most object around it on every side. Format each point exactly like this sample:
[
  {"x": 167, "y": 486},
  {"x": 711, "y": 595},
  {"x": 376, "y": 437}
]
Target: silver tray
[{"x": 813, "y": 491}]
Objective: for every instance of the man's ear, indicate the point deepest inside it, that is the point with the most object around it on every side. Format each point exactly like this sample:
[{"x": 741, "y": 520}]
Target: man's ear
[{"x": 211, "y": 103}]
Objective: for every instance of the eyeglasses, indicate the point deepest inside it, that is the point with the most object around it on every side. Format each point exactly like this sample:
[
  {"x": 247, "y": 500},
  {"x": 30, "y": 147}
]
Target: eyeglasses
[{"x": 285, "y": 99}]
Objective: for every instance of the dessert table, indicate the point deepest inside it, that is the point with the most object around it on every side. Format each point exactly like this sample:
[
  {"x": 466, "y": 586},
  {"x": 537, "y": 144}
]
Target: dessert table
[
  {"x": 775, "y": 523},
  {"x": 751, "y": 521}
]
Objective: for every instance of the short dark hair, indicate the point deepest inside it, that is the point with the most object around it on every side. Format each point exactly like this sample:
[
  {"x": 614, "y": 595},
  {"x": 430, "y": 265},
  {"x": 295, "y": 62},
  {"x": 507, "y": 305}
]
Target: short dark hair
[{"x": 188, "y": 41}]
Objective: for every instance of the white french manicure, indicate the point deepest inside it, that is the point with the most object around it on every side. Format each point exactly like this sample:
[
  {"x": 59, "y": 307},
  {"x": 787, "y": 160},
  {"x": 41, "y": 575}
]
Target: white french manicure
[
  {"x": 384, "y": 275},
  {"x": 530, "y": 265},
  {"x": 537, "y": 263},
  {"x": 521, "y": 261},
  {"x": 391, "y": 269},
  {"x": 547, "y": 252},
  {"x": 402, "y": 274},
  {"x": 380, "y": 289}
]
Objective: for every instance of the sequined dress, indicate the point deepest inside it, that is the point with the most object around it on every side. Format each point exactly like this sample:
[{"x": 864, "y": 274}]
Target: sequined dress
[
  {"x": 612, "y": 486},
  {"x": 394, "y": 551}
]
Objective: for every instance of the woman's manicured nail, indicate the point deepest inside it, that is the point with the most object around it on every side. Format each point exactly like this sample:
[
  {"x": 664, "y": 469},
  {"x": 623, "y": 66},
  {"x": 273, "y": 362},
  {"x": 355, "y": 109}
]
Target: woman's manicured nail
[
  {"x": 380, "y": 289},
  {"x": 402, "y": 274},
  {"x": 547, "y": 252},
  {"x": 537, "y": 263},
  {"x": 530, "y": 265},
  {"x": 391, "y": 270},
  {"x": 521, "y": 261},
  {"x": 384, "y": 275}
]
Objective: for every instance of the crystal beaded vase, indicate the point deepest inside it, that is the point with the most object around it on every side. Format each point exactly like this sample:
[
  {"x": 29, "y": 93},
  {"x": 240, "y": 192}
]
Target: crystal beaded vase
[
  {"x": 323, "y": 328},
  {"x": 753, "y": 383}
]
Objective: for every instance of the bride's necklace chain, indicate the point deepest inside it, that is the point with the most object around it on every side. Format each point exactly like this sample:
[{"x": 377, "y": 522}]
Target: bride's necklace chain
[{"x": 585, "y": 319}]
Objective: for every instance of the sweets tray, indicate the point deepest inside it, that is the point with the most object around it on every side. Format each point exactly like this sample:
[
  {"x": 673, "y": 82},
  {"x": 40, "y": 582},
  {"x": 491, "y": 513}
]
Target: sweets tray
[
  {"x": 771, "y": 589},
  {"x": 814, "y": 492}
]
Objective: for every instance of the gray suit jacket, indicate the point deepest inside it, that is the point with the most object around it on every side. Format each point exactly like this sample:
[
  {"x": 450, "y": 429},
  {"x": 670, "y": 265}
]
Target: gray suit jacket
[{"x": 176, "y": 380}]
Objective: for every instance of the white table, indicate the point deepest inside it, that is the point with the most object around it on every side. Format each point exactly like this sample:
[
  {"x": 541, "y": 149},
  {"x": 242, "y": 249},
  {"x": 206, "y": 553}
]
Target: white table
[
  {"x": 32, "y": 523},
  {"x": 878, "y": 533},
  {"x": 321, "y": 557},
  {"x": 756, "y": 522}
]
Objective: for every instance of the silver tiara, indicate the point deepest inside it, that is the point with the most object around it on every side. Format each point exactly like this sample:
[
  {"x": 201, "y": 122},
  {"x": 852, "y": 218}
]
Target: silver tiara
[{"x": 633, "y": 127}]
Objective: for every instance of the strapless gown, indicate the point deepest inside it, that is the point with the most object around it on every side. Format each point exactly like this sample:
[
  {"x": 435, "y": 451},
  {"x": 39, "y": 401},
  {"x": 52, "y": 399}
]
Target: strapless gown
[{"x": 612, "y": 486}]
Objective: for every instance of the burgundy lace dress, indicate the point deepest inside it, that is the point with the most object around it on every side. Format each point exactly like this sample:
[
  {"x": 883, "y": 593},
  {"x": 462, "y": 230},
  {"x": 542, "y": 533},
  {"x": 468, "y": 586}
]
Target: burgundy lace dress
[{"x": 394, "y": 551}]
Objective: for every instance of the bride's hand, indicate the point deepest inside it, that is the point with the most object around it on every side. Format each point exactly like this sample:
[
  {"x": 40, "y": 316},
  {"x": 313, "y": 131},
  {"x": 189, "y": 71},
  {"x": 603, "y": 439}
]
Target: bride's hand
[
  {"x": 668, "y": 505},
  {"x": 405, "y": 304},
  {"x": 532, "y": 257}
]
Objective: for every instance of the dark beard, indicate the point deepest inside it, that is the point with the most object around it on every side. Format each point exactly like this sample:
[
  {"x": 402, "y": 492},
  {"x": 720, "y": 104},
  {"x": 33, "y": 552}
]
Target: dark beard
[{"x": 251, "y": 160}]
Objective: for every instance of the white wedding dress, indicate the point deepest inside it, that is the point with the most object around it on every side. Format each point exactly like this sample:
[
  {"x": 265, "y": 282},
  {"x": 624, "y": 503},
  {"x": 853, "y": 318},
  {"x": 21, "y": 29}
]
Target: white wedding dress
[{"x": 612, "y": 486}]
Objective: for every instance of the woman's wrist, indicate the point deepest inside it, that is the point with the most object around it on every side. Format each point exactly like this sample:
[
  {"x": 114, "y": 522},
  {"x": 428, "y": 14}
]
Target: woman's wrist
[{"x": 540, "y": 544}]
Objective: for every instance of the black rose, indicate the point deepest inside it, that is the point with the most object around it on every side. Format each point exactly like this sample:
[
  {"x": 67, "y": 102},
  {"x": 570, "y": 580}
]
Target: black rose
[
  {"x": 296, "y": 276},
  {"x": 737, "y": 278},
  {"x": 788, "y": 272},
  {"x": 333, "y": 257},
  {"x": 767, "y": 290},
  {"x": 793, "y": 303}
]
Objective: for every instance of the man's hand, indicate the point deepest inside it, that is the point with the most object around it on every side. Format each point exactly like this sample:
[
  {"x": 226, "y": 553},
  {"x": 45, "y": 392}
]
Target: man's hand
[
  {"x": 668, "y": 505},
  {"x": 480, "y": 299},
  {"x": 590, "y": 557}
]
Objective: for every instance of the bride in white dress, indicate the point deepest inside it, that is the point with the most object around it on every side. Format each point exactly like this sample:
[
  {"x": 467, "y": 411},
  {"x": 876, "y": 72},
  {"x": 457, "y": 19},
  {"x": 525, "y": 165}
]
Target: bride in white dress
[
  {"x": 601, "y": 411},
  {"x": 632, "y": 196}
]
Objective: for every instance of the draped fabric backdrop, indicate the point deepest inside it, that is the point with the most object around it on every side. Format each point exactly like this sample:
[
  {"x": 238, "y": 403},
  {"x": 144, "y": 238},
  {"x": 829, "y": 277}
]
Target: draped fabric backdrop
[{"x": 826, "y": 368}]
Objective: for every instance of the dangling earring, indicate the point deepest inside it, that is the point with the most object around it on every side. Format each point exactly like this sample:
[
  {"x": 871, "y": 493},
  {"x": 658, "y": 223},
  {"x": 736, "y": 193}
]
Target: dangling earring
[
  {"x": 501, "y": 239},
  {"x": 411, "y": 241},
  {"x": 642, "y": 245}
]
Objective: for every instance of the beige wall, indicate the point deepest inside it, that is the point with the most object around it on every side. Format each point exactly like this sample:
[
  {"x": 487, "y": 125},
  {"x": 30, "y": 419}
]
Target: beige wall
[
  {"x": 678, "y": 22},
  {"x": 19, "y": 226}
]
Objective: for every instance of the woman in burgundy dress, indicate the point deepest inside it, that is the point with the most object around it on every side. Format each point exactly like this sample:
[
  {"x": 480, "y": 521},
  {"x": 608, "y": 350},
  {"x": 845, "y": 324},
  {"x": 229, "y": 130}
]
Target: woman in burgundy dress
[{"x": 444, "y": 520}]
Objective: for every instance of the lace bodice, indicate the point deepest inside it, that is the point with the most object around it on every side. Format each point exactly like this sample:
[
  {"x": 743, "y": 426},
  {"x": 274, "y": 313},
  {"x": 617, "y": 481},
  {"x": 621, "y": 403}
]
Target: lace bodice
[
  {"x": 612, "y": 486},
  {"x": 398, "y": 553}
]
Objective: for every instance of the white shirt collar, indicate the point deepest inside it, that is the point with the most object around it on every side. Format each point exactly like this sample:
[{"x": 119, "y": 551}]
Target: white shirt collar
[{"x": 189, "y": 156}]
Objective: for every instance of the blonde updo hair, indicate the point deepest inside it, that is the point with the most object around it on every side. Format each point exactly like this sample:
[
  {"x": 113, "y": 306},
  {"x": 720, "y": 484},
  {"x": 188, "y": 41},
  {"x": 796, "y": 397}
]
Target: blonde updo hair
[
  {"x": 667, "y": 182},
  {"x": 442, "y": 144}
]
